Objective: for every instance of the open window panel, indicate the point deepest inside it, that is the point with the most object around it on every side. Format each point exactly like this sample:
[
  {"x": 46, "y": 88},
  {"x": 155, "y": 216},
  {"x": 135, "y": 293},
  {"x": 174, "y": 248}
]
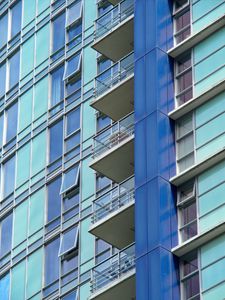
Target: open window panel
[
  {"x": 186, "y": 192},
  {"x": 73, "y": 66},
  {"x": 69, "y": 241},
  {"x": 74, "y": 13},
  {"x": 70, "y": 179}
]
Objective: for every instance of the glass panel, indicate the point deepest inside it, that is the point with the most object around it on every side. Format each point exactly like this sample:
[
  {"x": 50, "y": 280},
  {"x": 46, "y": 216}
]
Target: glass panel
[
  {"x": 42, "y": 5},
  {"x": 20, "y": 223},
  {"x": 14, "y": 69},
  {"x": 23, "y": 165},
  {"x": 74, "y": 12},
  {"x": 70, "y": 178},
  {"x": 37, "y": 204},
  {"x": 18, "y": 281},
  {"x": 75, "y": 31},
  {"x": 27, "y": 59},
  {"x": 41, "y": 98},
  {"x": 73, "y": 85},
  {"x": 3, "y": 79},
  {"x": 71, "y": 201},
  {"x": 1, "y": 128},
  {"x": 8, "y": 176},
  {"x": 4, "y": 286},
  {"x": 29, "y": 10},
  {"x": 34, "y": 273},
  {"x": 38, "y": 153},
  {"x": 11, "y": 117},
  {"x": 16, "y": 18},
  {"x": 56, "y": 141},
  {"x": 25, "y": 110},
  {"x": 42, "y": 44},
  {"x": 57, "y": 93},
  {"x": 58, "y": 33},
  {"x": 71, "y": 296},
  {"x": 72, "y": 66},
  {"x": 3, "y": 30},
  {"x": 72, "y": 121},
  {"x": 6, "y": 235},
  {"x": 51, "y": 262},
  {"x": 69, "y": 240},
  {"x": 54, "y": 199}
]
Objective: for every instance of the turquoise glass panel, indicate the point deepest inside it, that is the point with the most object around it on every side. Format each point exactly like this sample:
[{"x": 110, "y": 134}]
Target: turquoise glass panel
[
  {"x": 20, "y": 223},
  {"x": 212, "y": 251},
  {"x": 4, "y": 287},
  {"x": 211, "y": 178},
  {"x": 41, "y": 98},
  {"x": 217, "y": 270},
  {"x": 36, "y": 216},
  {"x": 38, "y": 161},
  {"x": 42, "y": 44},
  {"x": 85, "y": 291},
  {"x": 25, "y": 110},
  {"x": 42, "y": 5},
  {"x": 27, "y": 57},
  {"x": 18, "y": 281},
  {"x": 89, "y": 69},
  {"x": 216, "y": 293},
  {"x": 34, "y": 273},
  {"x": 86, "y": 239},
  {"x": 212, "y": 219},
  {"x": 88, "y": 121},
  {"x": 23, "y": 165},
  {"x": 89, "y": 13},
  {"x": 87, "y": 179},
  {"x": 29, "y": 11}
]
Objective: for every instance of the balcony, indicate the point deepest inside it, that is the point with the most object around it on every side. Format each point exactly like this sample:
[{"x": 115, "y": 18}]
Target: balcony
[
  {"x": 114, "y": 278},
  {"x": 113, "y": 215},
  {"x": 115, "y": 28},
  {"x": 114, "y": 89},
  {"x": 113, "y": 150}
]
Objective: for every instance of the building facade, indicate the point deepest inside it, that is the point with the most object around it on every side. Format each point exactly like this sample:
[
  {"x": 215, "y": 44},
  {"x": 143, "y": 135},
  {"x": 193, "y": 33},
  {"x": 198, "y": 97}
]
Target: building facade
[{"x": 112, "y": 149}]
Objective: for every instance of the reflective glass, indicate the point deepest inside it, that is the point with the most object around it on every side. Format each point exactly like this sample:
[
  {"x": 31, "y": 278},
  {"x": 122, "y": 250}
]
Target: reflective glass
[
  {"x": 56, "y": 141},
  {"x": 4, "y": 287},
  {"x": 71, "y": 201},
  {"x": 73, "y": 85},
  {"x": 70, "y": 178},
  {"x": 74, "y": 12},
  {"x": 69, "y": 240},
  {"x": 57, "y": 86},
  {"x": 3, "y": 30},
  {"x": 6, "y": 235},
  {"x": 3, "y": 79},
  {"x": 1, "y": 129},
  {"x": 16, "y": 11},
  {"x": 74, "y": 31},
  {"x": 11, "y": 127},
  {"x": 14, "y": 69},
  {"x": 71, "y": 296},
  {"x": 51, "y": 262},
  {"x": 70, "y": 262},
  {"x": 58, "y": 32},
  {"x": 73, "y": 121},
  {"x": 54, "y": 199},
  {"x": 72, "y": 65},
  {"x": 9, "y": 176}
]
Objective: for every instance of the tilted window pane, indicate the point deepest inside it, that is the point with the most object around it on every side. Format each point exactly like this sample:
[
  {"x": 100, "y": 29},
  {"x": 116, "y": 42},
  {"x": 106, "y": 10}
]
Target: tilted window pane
[
  {"x": 4, "y": 286},
  {"x": 72, "y": 66},
  {"x": 54, "y": 199},
  {"x": 3, "y": 30},
  {"x": 70, "y": 178},
  {"x": 14, "y": 69},
  {"x": 57, "y": 93},
  {"x": 3, "y": 79},
  {"x": 16, "y": 12},
  {"x": 69, "y": 240},
  {"x": 9, "y": 176},
  {"x": 6, "y": 235},
  {"x": 74, "y": 12},
  {"x": 52, "y": 262},
  {"x": 58, "y": 32},
  {"x": 56, "y": 141},
  {"x": 11, "y": 127},
  {"x": 73, "y": 121}
]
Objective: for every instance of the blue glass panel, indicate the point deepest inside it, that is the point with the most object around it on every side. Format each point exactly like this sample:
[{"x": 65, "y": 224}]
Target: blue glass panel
[
  {"x": 74, "y": 30},
  {"x": 58, "y": 32},
  {"x": 74, "y": 12},
  {"x": 73, "y": 85},
  {"x": 3, "y": 79},
  {"x": 73, "y": 121},
  {"x": 73, "y": 65},
  {"x": 16, "y": 18},
  {"x": 9, "y": 176},
  {"x": 56, "y": 141},
  {"x": 12, "y": 114},
  {"x": 103, "y": 65},
  {"x": 6, "y": 235},
  {"x": 57, "y": 86},
  {"x": 69, "y": 240},
  {"x": 54, "y": 199},
  {"x": 71, "y": 296},
  {"x": 1, "y": 129},
  {"x": 14, "y": 69},
  {"x": 3, "y": 30},
  {"x": 4, "y": 287},
  {"x": 51, "y": 262},
  {"x": 69, "y": 263},
  {"x": 71, "y": 201}
]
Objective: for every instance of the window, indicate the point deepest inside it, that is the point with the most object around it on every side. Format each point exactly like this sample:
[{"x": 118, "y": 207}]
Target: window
[
  {"x": 8, "y": 176},
  {"x": 54, "y": 200},
  {"x": 74, "y": 85},
  {"x": 74, "y": 12},
  {"x": 102, "y": 122},
  {"x": 69, "y": 240},
  {"x": 73, "y": 66},
  {"x": 11, "y": 122},
  {"x": 103, "y": 64},
  {"x": 104, "y": 7},
  {"x": 71, "y": 296},
  {"x": 57, "y": 87},
  {"x": 71, "y": 206},
  {"x": 72, "y": 121},
  {"x": 74, "y": 33},
  {"x": 16, "y": 12},
  {"x": 185, "y": 143},
  {"x": 3, "y": 30},
  {"x": 14, "y": 69},
  {"x": 102, "y": 251},
  {"x": 188, "y": 211},
  {"x": 184, "y": 79},
  {"x": 5, "y": 235},
  {"x": 51, "y": 262},
  {"x": 102, "y": 184},
  {"x": 70, "y": 178},
  {"x": 4, "y": 286},
  {"x": 182, "y": 20},
  {"x": 1, "y": 129},
  {"x": 3, "y": 79},
  {"x": 190, "y": 277},
  {"x": 56, "y": 141},
  {"x": 69, "y": 270},
  {"x": 58, "y": 33}
]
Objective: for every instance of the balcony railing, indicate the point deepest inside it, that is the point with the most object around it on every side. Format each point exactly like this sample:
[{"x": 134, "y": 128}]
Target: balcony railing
[
  {"x": 113, "y": 135},
  {"x": 115, "y": 74},
  {"x": 113, "y": 200},
  {"x": 114, "y": 17},
  {"x": 113, "y": 268}
]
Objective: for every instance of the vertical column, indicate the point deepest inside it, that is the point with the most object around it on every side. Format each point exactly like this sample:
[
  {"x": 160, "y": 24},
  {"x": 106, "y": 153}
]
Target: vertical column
[{"x": 155, "y": 207}]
